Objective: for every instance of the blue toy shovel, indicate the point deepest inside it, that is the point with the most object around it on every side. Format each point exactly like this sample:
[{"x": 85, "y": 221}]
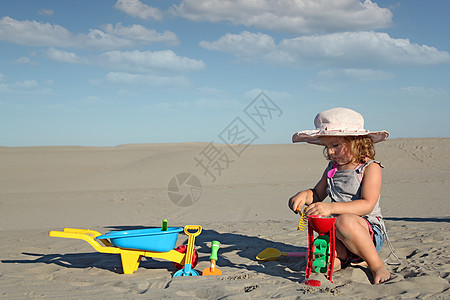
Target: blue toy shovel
[{"x": 187, "y": 269}]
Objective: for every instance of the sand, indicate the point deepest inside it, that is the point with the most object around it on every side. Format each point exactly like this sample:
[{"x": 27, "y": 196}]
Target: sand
[{"x": 242, "y": 202}]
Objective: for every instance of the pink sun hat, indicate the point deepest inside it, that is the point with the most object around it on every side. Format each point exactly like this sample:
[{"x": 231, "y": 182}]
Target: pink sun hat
[{"x": 338, "y": 122}]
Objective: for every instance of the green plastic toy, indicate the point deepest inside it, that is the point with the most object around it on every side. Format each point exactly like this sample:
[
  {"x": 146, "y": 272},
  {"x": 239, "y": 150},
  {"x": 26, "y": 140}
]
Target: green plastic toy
[
  {"x": 321, "y": 254},
  {"x": 213, "y": 270}
]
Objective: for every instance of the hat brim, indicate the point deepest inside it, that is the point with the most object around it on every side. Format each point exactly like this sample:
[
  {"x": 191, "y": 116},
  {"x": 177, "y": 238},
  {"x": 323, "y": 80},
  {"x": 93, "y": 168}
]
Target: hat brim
[{"x": 313, "y": 136}]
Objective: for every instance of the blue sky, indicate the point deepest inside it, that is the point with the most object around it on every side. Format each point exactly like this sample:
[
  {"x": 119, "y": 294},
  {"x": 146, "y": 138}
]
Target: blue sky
[{"x": 105, "y": 73}]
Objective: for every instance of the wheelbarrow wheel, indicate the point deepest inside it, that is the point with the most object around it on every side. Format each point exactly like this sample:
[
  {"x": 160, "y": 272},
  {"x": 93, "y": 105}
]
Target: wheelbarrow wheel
[{"x": 182, "y": 249}]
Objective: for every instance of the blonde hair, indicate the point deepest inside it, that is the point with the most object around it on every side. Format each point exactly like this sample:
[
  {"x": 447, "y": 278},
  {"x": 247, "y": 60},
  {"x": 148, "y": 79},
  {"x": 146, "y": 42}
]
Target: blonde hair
[{"x": 361, "y": 148}]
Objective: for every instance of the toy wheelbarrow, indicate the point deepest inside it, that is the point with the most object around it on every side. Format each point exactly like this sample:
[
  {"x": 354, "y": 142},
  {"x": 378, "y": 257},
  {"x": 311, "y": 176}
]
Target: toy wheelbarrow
[{"x": 132, "y": 245}]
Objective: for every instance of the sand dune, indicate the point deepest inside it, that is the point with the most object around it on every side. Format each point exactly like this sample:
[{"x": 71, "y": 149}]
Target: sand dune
[{"x": 242, "y": 202}]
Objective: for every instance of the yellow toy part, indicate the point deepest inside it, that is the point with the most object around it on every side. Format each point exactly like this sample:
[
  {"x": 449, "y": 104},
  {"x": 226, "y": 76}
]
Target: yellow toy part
[
  {"x": 187, "y": 269},
  {"x": 191, "y": 240},
  {"x": 303, "y": 220}
]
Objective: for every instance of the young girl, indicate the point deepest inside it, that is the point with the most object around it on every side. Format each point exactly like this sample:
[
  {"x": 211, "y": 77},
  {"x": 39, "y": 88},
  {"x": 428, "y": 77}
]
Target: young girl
[{"x": 352, "y": 180}]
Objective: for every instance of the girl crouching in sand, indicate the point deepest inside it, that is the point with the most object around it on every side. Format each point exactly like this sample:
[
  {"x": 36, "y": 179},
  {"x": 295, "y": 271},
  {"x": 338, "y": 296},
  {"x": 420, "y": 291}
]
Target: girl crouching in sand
[{"x": 352, "y": 180}]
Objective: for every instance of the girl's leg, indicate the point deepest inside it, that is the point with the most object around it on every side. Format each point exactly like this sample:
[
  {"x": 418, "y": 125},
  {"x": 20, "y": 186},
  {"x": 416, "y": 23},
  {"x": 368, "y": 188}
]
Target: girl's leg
[
  {"x": 341, "y": 255},
  {"x": 353, "y": 232}
]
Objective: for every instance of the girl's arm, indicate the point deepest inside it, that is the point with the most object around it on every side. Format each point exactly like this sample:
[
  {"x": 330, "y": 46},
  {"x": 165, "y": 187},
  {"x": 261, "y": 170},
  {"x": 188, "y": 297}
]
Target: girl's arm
[
  {"x": 321, "y": 188},
  {"x": 309, "y": 196},
  {"x": 370, "y": 192}
]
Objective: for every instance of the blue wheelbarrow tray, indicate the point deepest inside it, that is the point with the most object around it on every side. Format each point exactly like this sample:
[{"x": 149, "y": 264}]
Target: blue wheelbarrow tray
[{"x": 150, "y": 239}]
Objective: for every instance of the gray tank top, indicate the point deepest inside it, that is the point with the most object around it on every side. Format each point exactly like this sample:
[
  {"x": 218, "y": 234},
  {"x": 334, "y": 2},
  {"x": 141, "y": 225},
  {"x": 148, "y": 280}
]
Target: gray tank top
[{"x": 345, "y": 186}]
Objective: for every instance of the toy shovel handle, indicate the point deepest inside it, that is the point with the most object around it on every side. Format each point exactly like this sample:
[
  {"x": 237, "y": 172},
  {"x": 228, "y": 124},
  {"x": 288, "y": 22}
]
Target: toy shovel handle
[
  {"x": 189, "y": 228},
  {"x": 215, "y": 245},
  {"x": 191, "y": 241},
  {"x": 296, "y": 254}
]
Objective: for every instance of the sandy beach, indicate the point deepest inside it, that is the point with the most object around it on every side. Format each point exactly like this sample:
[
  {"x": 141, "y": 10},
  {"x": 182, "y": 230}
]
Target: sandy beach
[{"x": 239, "y": 198}]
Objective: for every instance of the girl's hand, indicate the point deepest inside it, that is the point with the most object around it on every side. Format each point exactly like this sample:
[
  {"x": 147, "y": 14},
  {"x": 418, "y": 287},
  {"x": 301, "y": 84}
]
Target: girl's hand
[
  {"x": 319, "y": 208},
  {"x": 297, "y": 201}
]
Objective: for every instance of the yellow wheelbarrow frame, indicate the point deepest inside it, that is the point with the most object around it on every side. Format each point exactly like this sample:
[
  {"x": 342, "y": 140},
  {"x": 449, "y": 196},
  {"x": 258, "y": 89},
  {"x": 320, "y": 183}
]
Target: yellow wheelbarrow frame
[{"x": 131, "y": 258}]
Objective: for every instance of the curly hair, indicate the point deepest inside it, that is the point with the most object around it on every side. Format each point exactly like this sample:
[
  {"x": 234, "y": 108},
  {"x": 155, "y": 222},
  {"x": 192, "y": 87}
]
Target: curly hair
[{"x": 361, "y": 148}]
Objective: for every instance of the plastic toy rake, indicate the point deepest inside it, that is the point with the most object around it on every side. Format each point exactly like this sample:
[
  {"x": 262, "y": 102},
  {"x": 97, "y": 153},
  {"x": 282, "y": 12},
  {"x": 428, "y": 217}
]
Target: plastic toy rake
[{"x": 303, "y": 220}]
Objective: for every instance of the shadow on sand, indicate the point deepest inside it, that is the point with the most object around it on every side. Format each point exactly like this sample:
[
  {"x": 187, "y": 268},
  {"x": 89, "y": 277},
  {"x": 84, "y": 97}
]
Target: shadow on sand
[
  {"x": 416, "y": 219},
  {"x": 232, "y": 244}
]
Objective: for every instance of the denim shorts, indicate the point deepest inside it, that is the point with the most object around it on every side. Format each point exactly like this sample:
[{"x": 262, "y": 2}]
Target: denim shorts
[{"x": 378, "y": 238}]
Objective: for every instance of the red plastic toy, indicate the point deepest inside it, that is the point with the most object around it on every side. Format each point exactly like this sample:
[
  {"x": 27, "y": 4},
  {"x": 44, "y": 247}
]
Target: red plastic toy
[{"x": 321, "y": 249}]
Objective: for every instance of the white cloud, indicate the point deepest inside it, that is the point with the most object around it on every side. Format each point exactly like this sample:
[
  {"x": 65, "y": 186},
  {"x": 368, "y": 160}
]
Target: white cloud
[
  {"x": 420, "y": 91},
  {"x": 332, "y": 80},
  {"x": 245, "y": 44},
  {"x": 365, "y": 49},
  {"x": 323, "y": 86},
  {"x": 28, "y": 87},
  {"x": 210, "y": 91},
  {"x": 217, "y": 103},
  {"x": 141, "y": 35},
  {"x": 4, "y": 89},
  {"x": 273, "y": 95},
  {"x": 63, "y": 56},
  {"x": 136, "y": 8},
  {"x": 293, "y": 16},
  {"x": 354, "y": 75},
  {"x": 23, "y": 60},
  {"x": 25, "y": 84},
  {"x": 60, "y": 108},
  {"x": 119, "y": 36},
  {"x": 97, "y": 38},
  {"x": 93, "y": 100},
  {"x": 146, "y": 79},
  {"x": 46, "y": 12},
  {"x": 33, "y": 33},
  {"x": 146, "y": 61},
  {"x": 167, "y": 107}
]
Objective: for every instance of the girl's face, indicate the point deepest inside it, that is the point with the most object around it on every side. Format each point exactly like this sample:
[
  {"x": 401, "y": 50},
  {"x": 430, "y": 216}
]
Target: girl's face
[{"x": 337, "y": 149}]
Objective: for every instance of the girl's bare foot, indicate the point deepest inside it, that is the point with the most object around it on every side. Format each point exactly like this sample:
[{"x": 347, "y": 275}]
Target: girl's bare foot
[
  {"x": 337, "y": 264},
  {"x": 380, "y": 274},
  {"x": 360, "y": 264}
]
